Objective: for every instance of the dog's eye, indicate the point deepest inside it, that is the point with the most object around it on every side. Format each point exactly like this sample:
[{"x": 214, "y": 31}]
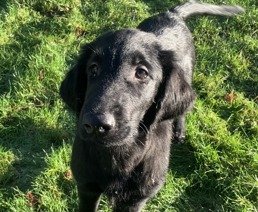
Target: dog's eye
[
  {"x": 141, "y": 73},
  {"x": 93, "y": 69}
]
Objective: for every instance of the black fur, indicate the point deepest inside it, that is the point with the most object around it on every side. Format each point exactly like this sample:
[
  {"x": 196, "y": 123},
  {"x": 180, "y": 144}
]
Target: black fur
[{"x": 127, "y": 89}]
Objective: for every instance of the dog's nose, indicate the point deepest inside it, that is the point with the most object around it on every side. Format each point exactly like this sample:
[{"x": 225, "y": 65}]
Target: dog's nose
[{"x": 99, "y": 124}]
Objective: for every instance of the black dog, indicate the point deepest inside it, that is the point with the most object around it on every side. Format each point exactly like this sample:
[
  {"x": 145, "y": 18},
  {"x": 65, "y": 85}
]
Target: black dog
[{"x": 128, "y": 88}]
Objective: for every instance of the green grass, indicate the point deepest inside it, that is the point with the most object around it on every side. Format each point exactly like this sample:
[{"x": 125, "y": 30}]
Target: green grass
[{"x": 216, "y": 169}]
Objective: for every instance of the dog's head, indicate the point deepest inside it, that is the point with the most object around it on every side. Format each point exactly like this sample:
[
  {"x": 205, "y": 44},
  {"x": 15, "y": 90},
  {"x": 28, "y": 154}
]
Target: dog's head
[{"x": 123, "y": 81}]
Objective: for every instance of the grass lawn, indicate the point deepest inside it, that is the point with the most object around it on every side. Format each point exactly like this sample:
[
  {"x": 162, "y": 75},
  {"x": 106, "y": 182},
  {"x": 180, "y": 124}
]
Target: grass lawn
[{"x": 216, "y": 169}]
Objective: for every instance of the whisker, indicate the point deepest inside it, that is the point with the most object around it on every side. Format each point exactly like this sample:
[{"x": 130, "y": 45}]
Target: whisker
[
  {"x": 144, "y": 128},
  {"x": 138, "y": 140}
]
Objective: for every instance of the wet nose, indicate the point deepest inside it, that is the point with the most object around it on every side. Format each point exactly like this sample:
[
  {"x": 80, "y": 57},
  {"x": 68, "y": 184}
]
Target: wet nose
[{"x": 98, "y": 124}]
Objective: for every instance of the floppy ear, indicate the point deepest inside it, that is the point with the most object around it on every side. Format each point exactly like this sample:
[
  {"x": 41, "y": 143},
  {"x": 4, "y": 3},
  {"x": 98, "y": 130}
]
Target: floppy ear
[
  {"x": 176, "y": 95},
  {"x": 73, "y": 87}
]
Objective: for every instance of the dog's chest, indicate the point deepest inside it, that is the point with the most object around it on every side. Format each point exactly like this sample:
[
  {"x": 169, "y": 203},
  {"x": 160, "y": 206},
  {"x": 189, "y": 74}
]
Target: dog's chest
[{"x": 115, "y": 161}]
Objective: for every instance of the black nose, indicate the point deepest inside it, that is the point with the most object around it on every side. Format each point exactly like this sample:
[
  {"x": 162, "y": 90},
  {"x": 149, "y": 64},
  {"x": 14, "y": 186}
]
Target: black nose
[{"x": 98, "y": 124}]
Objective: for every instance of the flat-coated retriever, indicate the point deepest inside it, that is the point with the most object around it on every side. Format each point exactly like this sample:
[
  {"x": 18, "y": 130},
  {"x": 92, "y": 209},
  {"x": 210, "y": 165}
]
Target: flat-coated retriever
[{"x": 129, "y": 89}]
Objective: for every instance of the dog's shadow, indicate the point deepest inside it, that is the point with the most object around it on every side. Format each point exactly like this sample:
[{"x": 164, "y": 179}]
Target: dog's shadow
[
  {"x": 182, "y": 159},
  {"x": 190, "y": 190},
  {"x": 30, "y": 143}
]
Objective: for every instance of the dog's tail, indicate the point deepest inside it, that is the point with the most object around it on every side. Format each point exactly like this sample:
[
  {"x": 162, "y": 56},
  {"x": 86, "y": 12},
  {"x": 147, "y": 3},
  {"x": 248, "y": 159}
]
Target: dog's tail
[{"x": 193, "y": 7}]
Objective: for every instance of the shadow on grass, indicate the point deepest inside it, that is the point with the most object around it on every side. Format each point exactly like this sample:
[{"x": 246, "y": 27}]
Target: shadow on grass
[
  {"x": 30, "y": 142},
  {"x": 160, "y": 5},
  {"x": 3, "y": 6},
  {"x": 182, "y": 159},
  {"x": 247, "y": 86},
  {"x": 204, "y": 192}
]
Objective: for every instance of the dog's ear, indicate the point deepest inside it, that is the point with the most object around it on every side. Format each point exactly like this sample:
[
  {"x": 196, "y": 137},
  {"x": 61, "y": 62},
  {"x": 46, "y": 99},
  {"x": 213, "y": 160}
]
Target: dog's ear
[
  {"x": 175, "y": 93},
  {"x": 73, "y": 87}
]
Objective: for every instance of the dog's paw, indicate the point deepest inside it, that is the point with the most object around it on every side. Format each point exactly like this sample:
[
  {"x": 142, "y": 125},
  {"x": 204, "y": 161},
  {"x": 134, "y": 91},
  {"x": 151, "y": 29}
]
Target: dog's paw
[{"x": 179, "y": 138}]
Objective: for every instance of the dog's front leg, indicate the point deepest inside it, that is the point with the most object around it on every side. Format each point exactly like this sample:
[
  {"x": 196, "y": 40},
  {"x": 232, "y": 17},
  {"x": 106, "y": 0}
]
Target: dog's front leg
[
  {"x": 88, "y": 191},
  {"x": 88, "y": 198},
  {"x": 179, "y": 129}
]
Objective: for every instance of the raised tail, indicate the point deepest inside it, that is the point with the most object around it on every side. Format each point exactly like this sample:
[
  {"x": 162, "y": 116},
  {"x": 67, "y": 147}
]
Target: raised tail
[{"x": 193, "y": 7}]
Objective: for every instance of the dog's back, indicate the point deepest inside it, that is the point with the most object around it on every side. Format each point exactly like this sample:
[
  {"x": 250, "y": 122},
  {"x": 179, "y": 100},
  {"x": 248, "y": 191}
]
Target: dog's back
[{"x": 170, "y": 26}]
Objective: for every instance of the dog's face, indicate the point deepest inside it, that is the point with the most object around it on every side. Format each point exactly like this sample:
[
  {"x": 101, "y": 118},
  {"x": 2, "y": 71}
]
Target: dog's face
[{"x": 121, "y": 85}]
